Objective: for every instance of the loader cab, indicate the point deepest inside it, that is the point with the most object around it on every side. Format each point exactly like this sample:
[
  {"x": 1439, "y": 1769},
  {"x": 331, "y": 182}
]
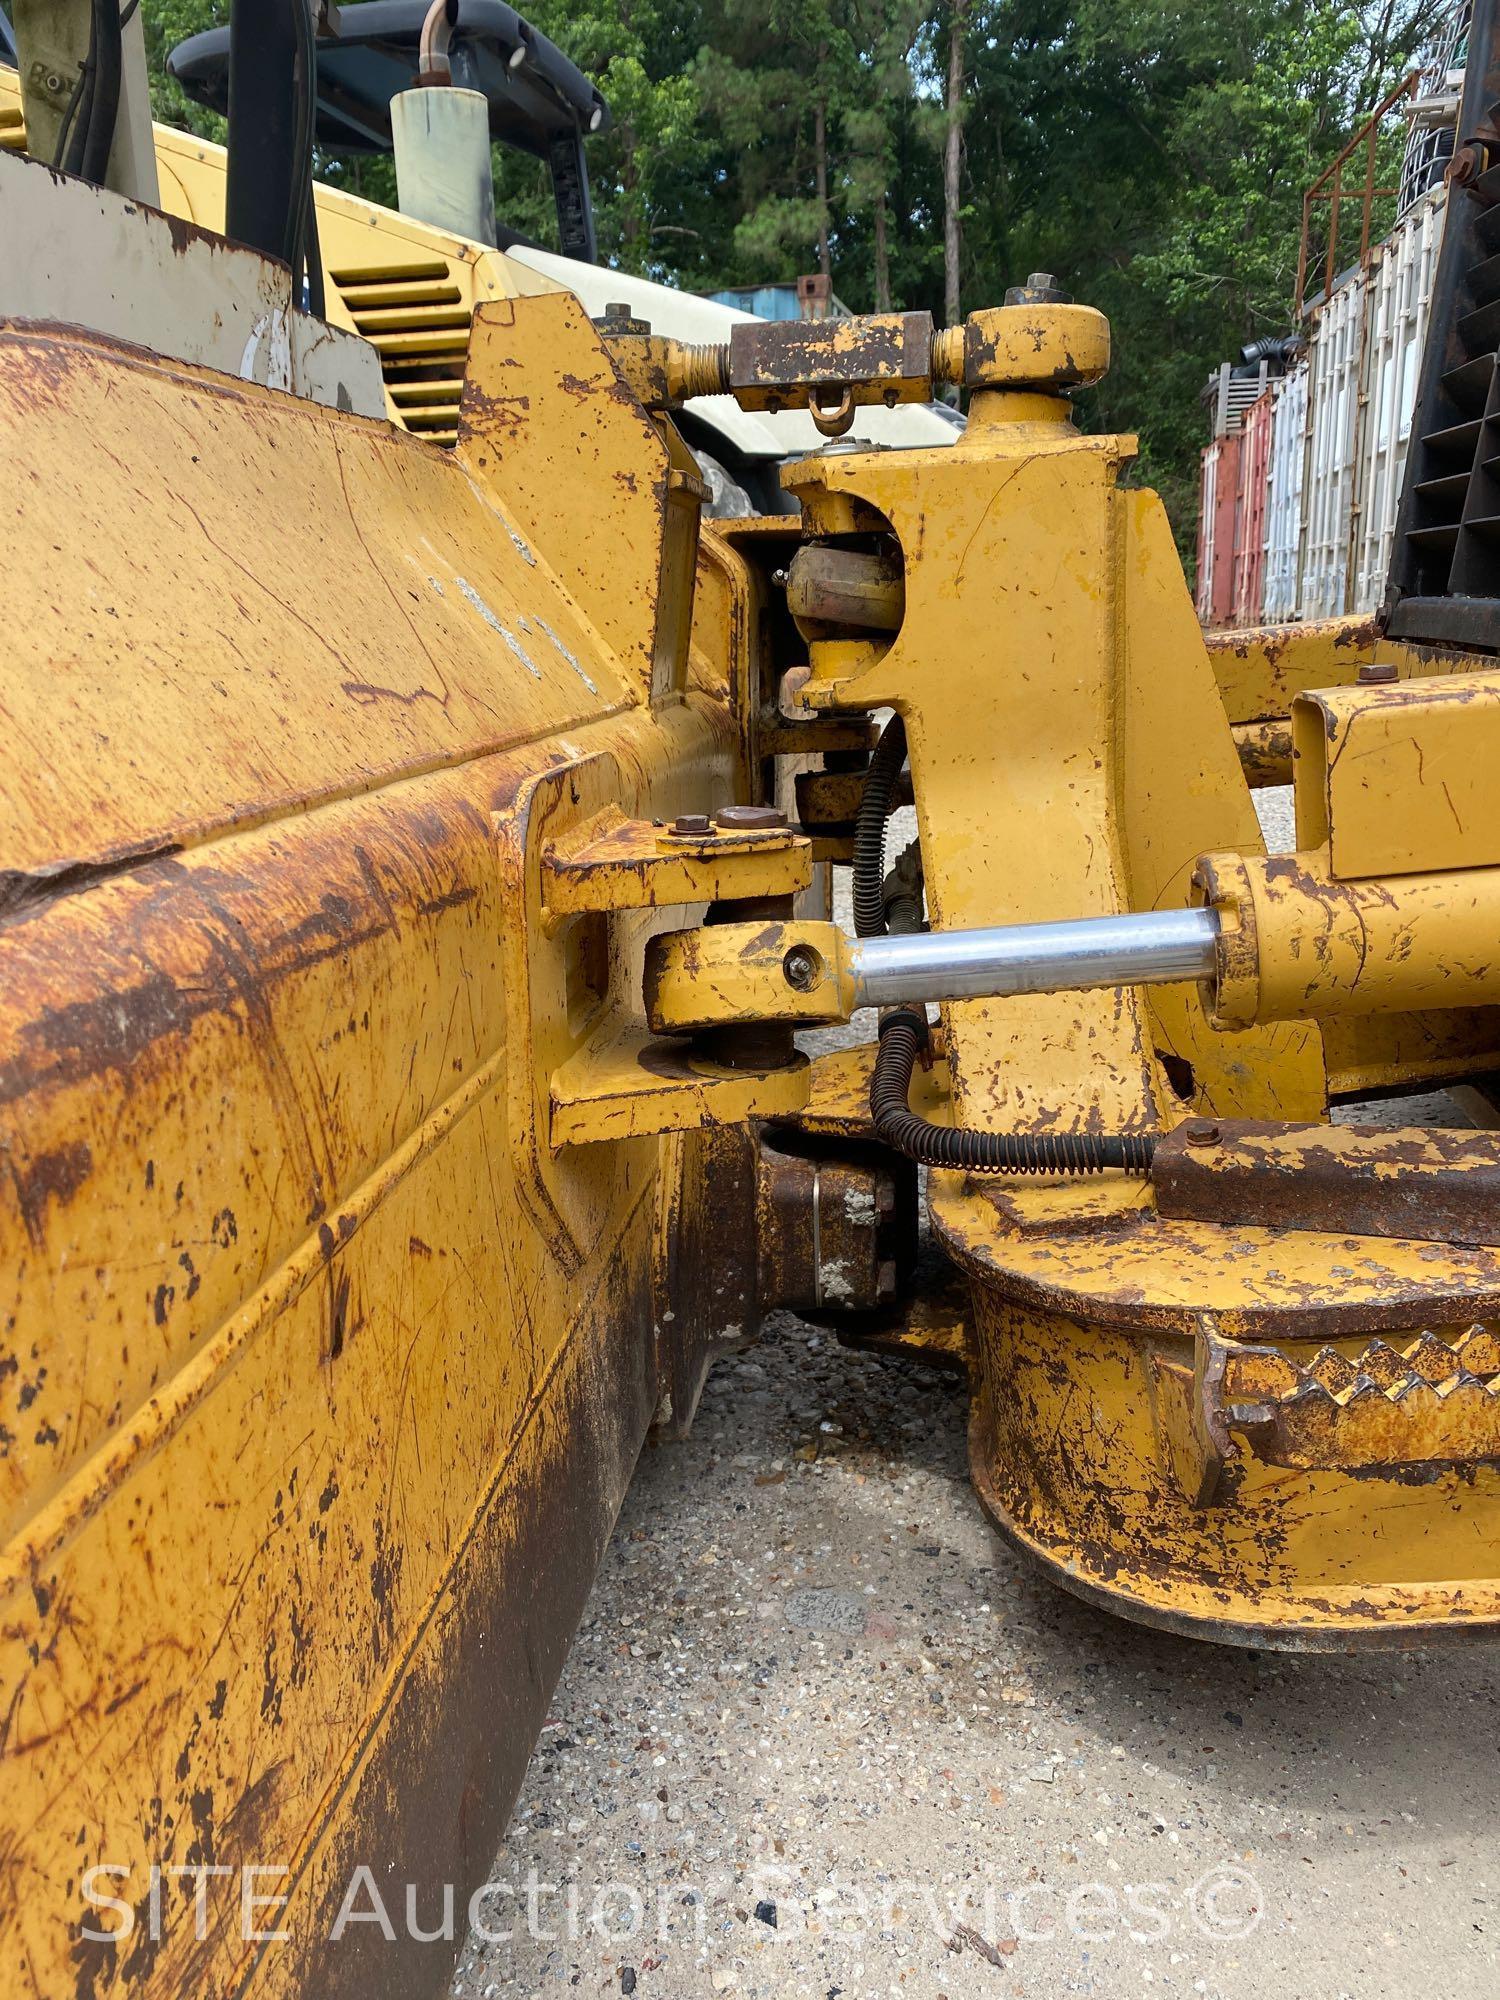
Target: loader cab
[{"x": 539, "y": 102}]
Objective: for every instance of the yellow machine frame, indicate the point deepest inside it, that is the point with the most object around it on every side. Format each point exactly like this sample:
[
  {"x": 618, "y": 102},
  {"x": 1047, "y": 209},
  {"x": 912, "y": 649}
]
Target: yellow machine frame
[{"x": 403, "y": 929}]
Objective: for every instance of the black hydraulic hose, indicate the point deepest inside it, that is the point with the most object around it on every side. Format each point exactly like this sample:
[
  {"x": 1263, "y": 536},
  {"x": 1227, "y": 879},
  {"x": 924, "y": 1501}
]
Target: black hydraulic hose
[
  {"x": 903, "y": 1034},
  {"x": 70, "y": 129},
  {"x": 73, "y": 136},
  {"x": 102, "y": 101},
  {"x": 72, "y": 133},
  {"x": 301, "y": 227},
  {"x": 886, "y": 760}
]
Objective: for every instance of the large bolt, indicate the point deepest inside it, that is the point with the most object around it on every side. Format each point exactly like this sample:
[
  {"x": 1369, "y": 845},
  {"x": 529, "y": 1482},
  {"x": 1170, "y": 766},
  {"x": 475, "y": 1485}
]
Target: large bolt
[
  {"x": 1201, "y": 1132},
  {"x": 801, "y": 968},
  {"x": 618, "y": 319},
  {"x": 1040, "y": 289},
  {"x": 695, "y": 823},
  {"x": 1377, "y": 673}
]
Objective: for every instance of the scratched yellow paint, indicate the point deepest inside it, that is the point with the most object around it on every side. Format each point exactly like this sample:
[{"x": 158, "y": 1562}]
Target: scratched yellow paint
[
  {"x": 1263, "y": 669},
  {"x": 335, "y": 1209},
  {"x": 1297, "y": 943},
  {"x": 1053, "y": 678},
  {"x": 311, "y": 1325},
  {"x": 1072, "y": 754},
  {"x": 1074, "y": 1464},
  {"x": 1431, "y": 743},
  {"x": 357, "y": 238}
]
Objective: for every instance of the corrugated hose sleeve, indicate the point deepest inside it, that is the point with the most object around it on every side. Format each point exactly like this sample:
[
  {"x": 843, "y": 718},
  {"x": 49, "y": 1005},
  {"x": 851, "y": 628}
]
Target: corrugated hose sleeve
[
  {"x": 903, "y": 1035},
  {"x": 886, "y": 761}
]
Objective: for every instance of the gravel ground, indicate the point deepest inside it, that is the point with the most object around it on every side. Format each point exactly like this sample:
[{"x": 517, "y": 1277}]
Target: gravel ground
[
  {"x": 822, "y": 1734},
  {"x": 818, "y": 1716}
]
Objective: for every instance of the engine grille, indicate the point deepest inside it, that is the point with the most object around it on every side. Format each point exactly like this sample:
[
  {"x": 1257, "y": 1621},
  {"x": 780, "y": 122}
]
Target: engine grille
[{"x": 415, "y": 317}]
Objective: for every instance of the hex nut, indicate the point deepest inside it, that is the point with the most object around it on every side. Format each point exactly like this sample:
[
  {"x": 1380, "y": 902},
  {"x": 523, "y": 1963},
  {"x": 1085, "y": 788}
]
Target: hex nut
[{"x": 802, "y": 968}]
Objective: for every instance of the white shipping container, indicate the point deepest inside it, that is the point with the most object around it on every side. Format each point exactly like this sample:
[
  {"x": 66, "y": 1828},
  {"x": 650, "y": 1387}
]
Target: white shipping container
[
  {"x": 1284, "y": 498},
  {"x": 1342, "y": 416},
  {"x": 1333, "y": 448},
  {"x": 1398, "y": 295},
  {"x": 1341, "y": 432},
  {"x": 1208, "y": 492}
]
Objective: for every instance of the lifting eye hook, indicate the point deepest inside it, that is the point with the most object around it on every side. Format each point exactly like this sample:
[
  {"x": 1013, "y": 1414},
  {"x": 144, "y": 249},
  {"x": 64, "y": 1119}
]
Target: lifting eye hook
[{"x": 834, "y": 419}]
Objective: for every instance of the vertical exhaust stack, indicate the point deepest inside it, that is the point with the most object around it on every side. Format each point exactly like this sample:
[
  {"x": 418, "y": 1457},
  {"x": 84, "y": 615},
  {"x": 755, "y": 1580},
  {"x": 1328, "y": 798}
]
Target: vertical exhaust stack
[
  {"x": 441, "y": 135},
  {"x": 262, "y": 200}
]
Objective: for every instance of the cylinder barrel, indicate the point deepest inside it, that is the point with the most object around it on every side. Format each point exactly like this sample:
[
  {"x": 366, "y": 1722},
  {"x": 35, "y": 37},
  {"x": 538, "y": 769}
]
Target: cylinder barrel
[{"x": 1296, "y": 943}]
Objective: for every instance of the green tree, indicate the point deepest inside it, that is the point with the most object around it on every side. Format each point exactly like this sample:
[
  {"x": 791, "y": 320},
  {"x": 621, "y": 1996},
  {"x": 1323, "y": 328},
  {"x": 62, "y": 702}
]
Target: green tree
[
  {"x": 1153, "y": 154},
  {"x": 166, "y": 23},
  {"x": 644, "y": 170},
  {"x": 878, "y": 106},
  {"x": 775, "y": 76}
]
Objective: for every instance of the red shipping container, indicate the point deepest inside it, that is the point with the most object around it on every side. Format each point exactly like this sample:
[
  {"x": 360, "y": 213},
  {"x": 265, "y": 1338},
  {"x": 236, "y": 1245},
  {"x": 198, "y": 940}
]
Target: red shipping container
[
  {"x": 1250, "y": 511},
  {"x": 1218, "y": 505}
]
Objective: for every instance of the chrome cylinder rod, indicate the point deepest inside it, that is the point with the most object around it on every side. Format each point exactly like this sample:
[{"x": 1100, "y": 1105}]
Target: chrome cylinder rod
[{"x": 1153, "y": 948}]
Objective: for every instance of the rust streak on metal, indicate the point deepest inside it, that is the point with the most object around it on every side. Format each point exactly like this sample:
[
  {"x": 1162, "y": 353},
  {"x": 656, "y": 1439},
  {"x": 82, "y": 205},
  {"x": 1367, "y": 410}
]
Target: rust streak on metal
[{"x": 1422, "y": 1185}]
